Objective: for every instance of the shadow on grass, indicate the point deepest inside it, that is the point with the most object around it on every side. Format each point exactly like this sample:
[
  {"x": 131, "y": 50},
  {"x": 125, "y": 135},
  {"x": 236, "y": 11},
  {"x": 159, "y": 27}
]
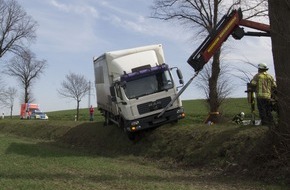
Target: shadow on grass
[
  {"x": 89, "y": 138},
  {"x": 40, "y": 150}
]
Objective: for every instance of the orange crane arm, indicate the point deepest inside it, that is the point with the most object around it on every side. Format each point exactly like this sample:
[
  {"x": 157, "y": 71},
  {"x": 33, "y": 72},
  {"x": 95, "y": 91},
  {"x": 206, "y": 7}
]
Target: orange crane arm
[{"x": 228, "y": 25}]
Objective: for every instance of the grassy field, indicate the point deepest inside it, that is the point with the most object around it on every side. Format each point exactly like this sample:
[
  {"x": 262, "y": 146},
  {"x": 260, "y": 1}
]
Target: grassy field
[
  {"x": 64, "y": 154},
  {"x": 33, "y": 164}
]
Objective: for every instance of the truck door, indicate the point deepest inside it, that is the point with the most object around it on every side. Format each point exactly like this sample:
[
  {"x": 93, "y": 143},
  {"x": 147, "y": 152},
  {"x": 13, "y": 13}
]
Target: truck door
[{"x": 120, "y": 99}]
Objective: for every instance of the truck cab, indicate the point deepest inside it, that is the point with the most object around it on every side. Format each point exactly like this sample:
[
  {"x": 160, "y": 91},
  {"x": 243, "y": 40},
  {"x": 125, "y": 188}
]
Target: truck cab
[
  {"x": 141, "y": 95},
  {"x": 31, "y": 111}
]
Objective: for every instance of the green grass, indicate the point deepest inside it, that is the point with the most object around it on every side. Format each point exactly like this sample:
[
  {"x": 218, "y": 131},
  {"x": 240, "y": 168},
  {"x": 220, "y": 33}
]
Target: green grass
[
  {"x": 32, "y": 164},
  {"x": 62, "y": 153},
  {"x": 69, "y": 115},
  {"x": 197, "y": 110},
  {"x": 230, "y": 106}
]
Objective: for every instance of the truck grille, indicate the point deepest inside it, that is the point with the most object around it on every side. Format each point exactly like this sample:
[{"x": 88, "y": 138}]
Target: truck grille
[{"x": 152, "y": 106}]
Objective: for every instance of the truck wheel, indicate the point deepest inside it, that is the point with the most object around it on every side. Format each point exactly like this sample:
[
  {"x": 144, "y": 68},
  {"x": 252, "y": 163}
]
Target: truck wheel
[
  {"x": 107, "y": 119},
  {"x": 131, "y": 135},
  {"x": 106, "y": 115},
  {"x": 174, "y": 122}
]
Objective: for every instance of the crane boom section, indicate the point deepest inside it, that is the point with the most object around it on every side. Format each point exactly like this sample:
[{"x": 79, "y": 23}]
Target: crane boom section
[
  {"x": 225, "y": 31},
  {"x": 228, "y": 25}
]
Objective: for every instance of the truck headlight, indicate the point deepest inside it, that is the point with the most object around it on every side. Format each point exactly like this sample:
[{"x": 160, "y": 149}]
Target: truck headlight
[
  {"x": 180, "y": 113},
  {"x": 134, "y": 123},
  {"x": 181, "y": 110}
]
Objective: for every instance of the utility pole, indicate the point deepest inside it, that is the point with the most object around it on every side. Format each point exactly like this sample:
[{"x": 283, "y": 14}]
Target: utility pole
[{"x": 89, "y": 101}]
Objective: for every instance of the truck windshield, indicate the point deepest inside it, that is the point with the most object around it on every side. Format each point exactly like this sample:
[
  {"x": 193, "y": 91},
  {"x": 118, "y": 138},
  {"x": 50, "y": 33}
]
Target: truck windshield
[{"x": 148, "y": 84}]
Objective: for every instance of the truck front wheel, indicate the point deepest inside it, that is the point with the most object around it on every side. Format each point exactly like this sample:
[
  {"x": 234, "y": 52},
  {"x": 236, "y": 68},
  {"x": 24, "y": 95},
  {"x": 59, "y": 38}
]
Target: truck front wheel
[{"x": 131, "y": 135}]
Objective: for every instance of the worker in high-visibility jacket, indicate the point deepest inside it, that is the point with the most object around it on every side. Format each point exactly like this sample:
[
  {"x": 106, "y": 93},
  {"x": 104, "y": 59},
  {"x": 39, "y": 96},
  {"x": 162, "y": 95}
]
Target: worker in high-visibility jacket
[{"x": 264, "y": 84}]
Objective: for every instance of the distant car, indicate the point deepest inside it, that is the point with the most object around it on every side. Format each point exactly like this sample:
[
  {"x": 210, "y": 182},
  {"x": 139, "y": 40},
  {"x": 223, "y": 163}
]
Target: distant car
[{"x": 37, "y": 114}]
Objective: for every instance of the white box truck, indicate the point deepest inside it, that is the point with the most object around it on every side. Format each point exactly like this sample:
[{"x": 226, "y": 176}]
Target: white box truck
[{"x": 135, "y": 89}]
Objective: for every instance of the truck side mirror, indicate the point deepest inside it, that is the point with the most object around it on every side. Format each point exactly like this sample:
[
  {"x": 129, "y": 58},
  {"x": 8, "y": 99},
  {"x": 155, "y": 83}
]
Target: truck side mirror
[
  {"x": 113, "y": 94},
  {"x": 181, "y": 81},
  {"x": 180, "y": 76}
]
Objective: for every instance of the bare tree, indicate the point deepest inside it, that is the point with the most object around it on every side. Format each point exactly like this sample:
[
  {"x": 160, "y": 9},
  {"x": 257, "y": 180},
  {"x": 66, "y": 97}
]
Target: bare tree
[
  {"x": 203, "y": 16},
  {"x": 26, "y": 68},
  {"x": 76, "y": 87},
  {"x": 16, "y": 27},
  {"x": 245, "y": 75},
  {"x": 224, "y": 86},
  {"x": 2, "y": 88},
  {"x": 2, "y": 91},
  {"x": 7, "y": 98}
]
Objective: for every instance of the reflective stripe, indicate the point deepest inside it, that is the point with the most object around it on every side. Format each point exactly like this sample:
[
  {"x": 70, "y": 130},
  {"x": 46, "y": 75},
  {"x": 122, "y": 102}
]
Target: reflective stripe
[{"x": 264, "y": 84}]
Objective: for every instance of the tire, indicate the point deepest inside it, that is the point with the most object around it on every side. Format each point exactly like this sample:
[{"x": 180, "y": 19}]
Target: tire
[
  {"x": 106, "y": 115},
  {"x": 174, "y": 122},
  {"x": 131, "y": 135}
]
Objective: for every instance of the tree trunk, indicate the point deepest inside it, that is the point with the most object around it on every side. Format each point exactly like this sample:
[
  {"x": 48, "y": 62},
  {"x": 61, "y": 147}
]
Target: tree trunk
[
  {"x": 26, "y": 98},
  {"x": 78, "y": 109},
  {"x": 213, "y": 82},
  {"x": 213, "y": 101},
  {"x": 11, "y": 110},
  {"x": 279, "y": 13}
]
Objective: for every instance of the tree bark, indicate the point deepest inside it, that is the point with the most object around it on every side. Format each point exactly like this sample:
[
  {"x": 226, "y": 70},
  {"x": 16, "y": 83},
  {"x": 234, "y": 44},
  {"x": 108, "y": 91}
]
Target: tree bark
[
  {"x": 213, "y": 100},
  {"x": 78, "y": 109},
  {"x": 11, "y": 110},
  {"x": 213, "y": 92},
  {"x": 279, "y": 13},
  {"x": 26, "y": 96}
]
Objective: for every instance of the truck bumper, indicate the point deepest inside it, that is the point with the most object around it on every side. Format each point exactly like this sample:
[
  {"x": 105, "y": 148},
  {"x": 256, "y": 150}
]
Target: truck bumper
[{"x": 152, "y": 121}]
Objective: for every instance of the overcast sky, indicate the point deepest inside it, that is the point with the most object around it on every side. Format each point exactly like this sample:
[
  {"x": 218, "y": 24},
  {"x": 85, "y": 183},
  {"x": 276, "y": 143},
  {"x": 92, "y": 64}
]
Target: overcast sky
[{"x": 72, "y": 32}]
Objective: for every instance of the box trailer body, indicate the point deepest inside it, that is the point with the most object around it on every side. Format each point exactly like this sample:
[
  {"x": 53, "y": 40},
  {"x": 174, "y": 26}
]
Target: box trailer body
[{"x": 133, "y": 86}]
